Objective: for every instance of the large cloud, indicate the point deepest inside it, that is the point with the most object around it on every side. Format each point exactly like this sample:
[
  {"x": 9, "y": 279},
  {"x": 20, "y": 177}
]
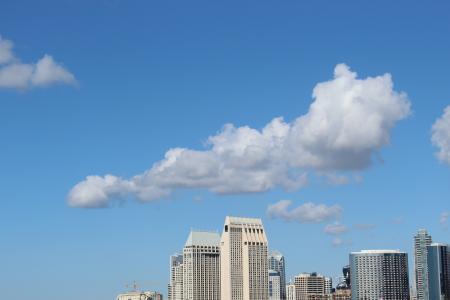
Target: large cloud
[
  {"x": 349, "y": 121},
  {"x": 441, "y": 136},
  {"x": 14, "y": 74}
]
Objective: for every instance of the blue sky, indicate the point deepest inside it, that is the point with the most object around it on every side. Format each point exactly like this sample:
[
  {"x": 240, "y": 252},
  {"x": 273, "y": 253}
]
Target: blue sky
[{"x": 151, "y": 76}]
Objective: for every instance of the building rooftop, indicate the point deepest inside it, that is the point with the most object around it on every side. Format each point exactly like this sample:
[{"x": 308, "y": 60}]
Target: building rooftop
[
  {"x": 203, "y": 238},
  {"x": 239, "y": 220},
  {"x": 383, "y": 251}
]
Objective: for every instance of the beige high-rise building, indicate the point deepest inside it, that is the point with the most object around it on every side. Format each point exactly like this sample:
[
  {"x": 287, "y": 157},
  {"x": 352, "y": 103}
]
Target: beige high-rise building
[
  {"x": 244, "y": 270},
  {"x": 201, "y": 266}
]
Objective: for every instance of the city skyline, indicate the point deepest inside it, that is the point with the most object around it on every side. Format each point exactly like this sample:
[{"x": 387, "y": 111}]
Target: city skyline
[{"x": 125, "y": 124}]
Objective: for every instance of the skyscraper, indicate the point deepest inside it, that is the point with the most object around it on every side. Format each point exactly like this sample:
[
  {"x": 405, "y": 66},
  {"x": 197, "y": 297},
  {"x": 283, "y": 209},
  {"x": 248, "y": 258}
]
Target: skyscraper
[
  {"x": 439, "y": 271},
  {"x": 201, "y": 266},
  {"x": 176, "y": 277},
  {"x": 274, "y": 285},
  {"x": 379, "y": 274},
  {"x": 421, "y": 241},
  {"x": 277, "y": 263},
  {"x": 244, "y": 270}
]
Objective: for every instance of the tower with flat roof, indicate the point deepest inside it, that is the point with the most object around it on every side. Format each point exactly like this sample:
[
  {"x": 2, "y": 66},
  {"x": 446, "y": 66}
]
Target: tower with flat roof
[
  {"x": 201, "y": 266},
  {"x": 244, "y": 270}
]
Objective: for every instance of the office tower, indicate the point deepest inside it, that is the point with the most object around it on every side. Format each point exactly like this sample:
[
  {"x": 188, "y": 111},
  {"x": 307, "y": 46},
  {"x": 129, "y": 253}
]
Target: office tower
[
  {"x": 274, "y": 285},
  {"x": 176, "y": 277},
  {"x": 244, "y": 270},
  {"x": 379, "y": 274},
  {"x": 344, "y": 284},
  {"x": 277, "y": 263},
  {"x": 438, "y": 271},
  {"x": 290, "y": 291},
  {"x": 421, "y": 241},
  {"x": 201, "y": 266},
  {"x": 310, "y": 286}
]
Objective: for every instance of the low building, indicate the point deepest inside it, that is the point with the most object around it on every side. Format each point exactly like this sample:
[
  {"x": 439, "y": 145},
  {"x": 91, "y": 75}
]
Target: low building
[{"x": 138, "y": 295}]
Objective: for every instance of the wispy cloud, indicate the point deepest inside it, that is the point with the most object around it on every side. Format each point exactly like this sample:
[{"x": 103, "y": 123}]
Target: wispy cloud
[
  {"x": 305, "y": 213},
  {"x": 348, "y": 122},
  {"x": 18, "y": 75},
  {"x": 339, "y": 241},
  {"x": 335, "y": 229},
  {"x": 443, "y": 220}
]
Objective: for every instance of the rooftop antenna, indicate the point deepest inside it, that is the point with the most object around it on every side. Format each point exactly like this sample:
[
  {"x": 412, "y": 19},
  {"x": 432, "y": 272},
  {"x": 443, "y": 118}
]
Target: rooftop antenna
[{"x": 134, "y": 285}]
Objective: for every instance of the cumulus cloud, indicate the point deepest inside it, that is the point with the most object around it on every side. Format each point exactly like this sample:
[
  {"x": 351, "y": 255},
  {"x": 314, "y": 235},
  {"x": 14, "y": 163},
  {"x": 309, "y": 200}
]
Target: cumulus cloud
[
  {"x": 305, "y": 213},
  {"x": 441, "y": 136},
  {"x": 348, "y": 122},
  {"x": 14, "y": 74},
  {"x": 335, "y": 229}
]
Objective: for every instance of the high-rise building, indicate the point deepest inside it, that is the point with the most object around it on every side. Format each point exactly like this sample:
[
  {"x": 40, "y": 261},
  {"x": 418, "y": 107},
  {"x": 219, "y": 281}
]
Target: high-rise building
[
  {"x": 244, "y": 270},
  {"x": 310, "y": 286},
  {"x": 201, "y": 266},
  {"x": 290, "y": 291},
  {"x": 274, "y": 285},
  {"x": 276, "y": 262},
  {"x": 379, "y": 274},
  {"x": 421, "y": 241},
  {"x": 438, "y": 256},
  {"x": 328, "y": 285},
  {"x": 176, "y": 277}
]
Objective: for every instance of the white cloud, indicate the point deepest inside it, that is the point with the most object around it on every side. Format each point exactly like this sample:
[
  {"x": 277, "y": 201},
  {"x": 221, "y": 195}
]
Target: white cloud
[
  {"x": 443, "y": 220},
  {"x": 441, "y": 136},
  {"x": 305, "y": 213},
  {"x": 335, "y": 229},
  {"x": 6, "y": 54},
  {"x": 14, "y": 74},
  {"x": 348, "y": 122}
]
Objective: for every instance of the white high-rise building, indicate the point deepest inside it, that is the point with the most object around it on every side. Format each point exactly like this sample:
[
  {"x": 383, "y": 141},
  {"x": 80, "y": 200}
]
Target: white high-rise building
[
  {"x": 201, "y": 266},
  {"x": 274, "y": 285},
  {"x": 421, "y": 241},
  {"x": 379, "y": 274},
  {"x": 277, "y": 263},
  {"x": 244, "y": 270},
  {"x": 328, "y": 285},
  {"x": 176, "y": 277},
  {"x": 290, "y": 291}
]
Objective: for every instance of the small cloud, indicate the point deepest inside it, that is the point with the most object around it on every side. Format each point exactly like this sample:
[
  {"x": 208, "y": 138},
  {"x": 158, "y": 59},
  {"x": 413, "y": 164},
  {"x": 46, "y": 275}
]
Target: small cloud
[
  {"x": 17, "y": 75},
  {"x": 305, "y": 213},
  {"x": 335, "y": 229},
  {"x": 338, "y": 242},
  {"x": 443, "y": 220},
  {"x": 398, "y": 220},
  {"x": 441, "y": 136},
  {"x": 363, "y": 226}
]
